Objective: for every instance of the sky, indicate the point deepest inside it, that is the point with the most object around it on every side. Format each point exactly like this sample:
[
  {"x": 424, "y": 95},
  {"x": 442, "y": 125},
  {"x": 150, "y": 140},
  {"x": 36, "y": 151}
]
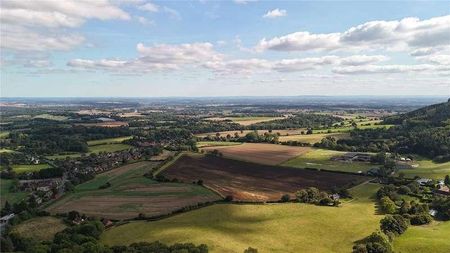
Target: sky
[{"x": 142, "y": 48}]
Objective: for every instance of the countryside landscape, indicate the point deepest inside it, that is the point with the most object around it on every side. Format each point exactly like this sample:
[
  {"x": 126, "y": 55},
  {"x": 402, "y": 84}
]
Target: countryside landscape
[{"x": 241, "y": 126}]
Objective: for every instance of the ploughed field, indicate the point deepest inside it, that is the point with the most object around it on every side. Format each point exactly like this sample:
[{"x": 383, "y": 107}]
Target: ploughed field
[
  {"x": 129, "y": 194},
  {"x": 247, "y": 181},
  {"x": 271, "y": 154}
]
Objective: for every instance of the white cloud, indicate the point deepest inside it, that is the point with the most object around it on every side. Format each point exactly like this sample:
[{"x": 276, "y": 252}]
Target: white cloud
[
  {"x": 356, "y": 60},
  {"x": 385, "y": 69},
  {"x": 275, "y": 13},
  {"x": 401, "y": 34},
  {"x": 151, "y": 7},
  {"x": 244, "y": 1},
  {"x": 145, "y": 21}
]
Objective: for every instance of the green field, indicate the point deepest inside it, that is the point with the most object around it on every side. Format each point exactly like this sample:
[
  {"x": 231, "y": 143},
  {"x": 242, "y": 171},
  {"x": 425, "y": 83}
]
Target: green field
[
  {"x": 292, "y": 227},
  {"x": 429, "y": 238},
  {"x": 23, "y": 168},
  {"x": 4, "y": 134},
  {"x": 109, "y": 141},
  {"x": 51, "y": 117},
  {"x": 320, "y": 159},
  {"x": 348, "y": 128},
  {"x": 129, "y": 194},
  {"x": 428, "y": 169},
  {"x": 40, "y": 228},
  {"x": 6, "y": 195},
  {"x": 203, "y": 144},
  {"x": 95, "y": 149},
  {"x": 5, "y": 150},
  {"x": 312, "y": 138}
]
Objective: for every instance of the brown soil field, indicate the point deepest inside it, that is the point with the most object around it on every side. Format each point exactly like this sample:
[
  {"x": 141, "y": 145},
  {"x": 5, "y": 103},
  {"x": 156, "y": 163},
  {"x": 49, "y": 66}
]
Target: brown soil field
[
  {"x": 271, "y": 154},
  {"x": 253, "y": 182}
]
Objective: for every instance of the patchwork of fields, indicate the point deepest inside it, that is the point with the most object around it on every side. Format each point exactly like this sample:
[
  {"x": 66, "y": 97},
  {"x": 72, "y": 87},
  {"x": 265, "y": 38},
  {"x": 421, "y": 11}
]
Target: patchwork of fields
[
  {"x": 271, "y": 154},
  {"x": 253, "y": 182},
  {"x": 130, "y": 193},
  {"x": 245, "y": 121},
  {"x": 292, "y": 227}
]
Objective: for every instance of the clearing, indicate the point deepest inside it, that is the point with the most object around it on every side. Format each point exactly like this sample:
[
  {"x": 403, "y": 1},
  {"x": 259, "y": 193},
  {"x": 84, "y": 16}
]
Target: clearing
[
  {"x": 271, "y": 154},
  {"x": 250, "y": 181},
  {"x": 292, "y": 227},
  {"x": 40, "y": 228},
  {"x": 130, "y": 193},
  {"x": 321, "y": 159}
]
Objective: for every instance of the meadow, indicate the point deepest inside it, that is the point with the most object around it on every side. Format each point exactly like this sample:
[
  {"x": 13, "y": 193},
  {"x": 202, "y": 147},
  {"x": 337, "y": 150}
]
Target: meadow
[
  {"x": 313, "y": 138},
  {"x": 428, "y": 169},
  {"x": 24, "y": 168},
  {"x": 321, "y": 159},
  {"x": 109, "y": 140},
  {"x": 434, "y": 237},
  {"x": 204, "y": 144},
  {"x": 245, "y": 121},
  {"x": 293, "y": 227},
  {"x": 97, "y": 148},
  {"x": 39, "y": 228},
  {"x": 129, "y": 194},
  {"x": 6, "y": 195}
]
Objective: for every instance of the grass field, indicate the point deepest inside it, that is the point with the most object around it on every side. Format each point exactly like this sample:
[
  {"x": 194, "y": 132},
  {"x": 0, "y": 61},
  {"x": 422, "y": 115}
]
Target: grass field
[
  {"x": 320, "y": 159},
  {"x": 130, "y": 193},
  {"x": 245, "y": 121},
  {"x": 40, "y": 228},
  {"x": 51, "y": 117},
  {"x": 6, "y": 195},
  {"x": 312, "y": 138},
  {"x": 95, "y": 149},
  {"x": 429, "y": 238},
  {"x": 348, "y": 128},
  {"x": 271, "y": 154},
  {"x": 281, "y": 132},
  {"x": 428, "y": 169},
  {"x": 5, "y": 150},
  {"x": 275, "y": 228},
  {"x": 109, "y": 141},
  {"x": 23, "y": 168},
  {"x": 204, "y": 144},
  {"x": 4, "y": 134}
]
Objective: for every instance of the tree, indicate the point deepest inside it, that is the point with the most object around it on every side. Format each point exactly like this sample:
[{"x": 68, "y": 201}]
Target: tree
[
  {"x": 388, "y": 205},
  {"x": 285, "y": 198},
  {"x": 447, "y": 180},
  {"x": 251, "y": 250},
  {"x": 395, "y": 224}
]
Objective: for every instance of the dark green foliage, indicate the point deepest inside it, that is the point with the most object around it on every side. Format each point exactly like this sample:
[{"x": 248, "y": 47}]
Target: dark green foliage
[
  {"x": 298, "y": 121},
  {"x": 374, "y": 243},
  {"x": 251, "y": 250},
  {"x": 395, "y": 224},
  {"x": 388, "y": 205},
  {"x": 285, "y": 198},
  {"x": 312, "y": 195},
  {"x": 442, "y": 205},
  {"x": 420, "y": 219}
]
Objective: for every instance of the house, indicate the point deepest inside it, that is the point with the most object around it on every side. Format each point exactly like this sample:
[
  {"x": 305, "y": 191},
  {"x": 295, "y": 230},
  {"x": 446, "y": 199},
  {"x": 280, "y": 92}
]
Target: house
[
  {"x": 335, "y": 196},
  {"x": 432, "y": 212},
  {"x": 443, "y": 189},
  {"x": 5, "y": 220},
  {"x": 423, "y": 181}
]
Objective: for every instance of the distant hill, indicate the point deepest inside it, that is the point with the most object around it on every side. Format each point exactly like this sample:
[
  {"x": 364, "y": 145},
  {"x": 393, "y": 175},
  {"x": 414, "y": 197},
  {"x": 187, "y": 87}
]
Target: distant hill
[{"x": 434, "y": 115}]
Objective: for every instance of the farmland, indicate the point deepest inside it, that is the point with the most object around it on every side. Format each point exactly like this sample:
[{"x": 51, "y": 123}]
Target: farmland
[
  {"x": 427, "y": 168},
  {"x": 271, "y": 154},
  {"x": 204, "y": 144},
  {"x": 312, "y": 138},
  {"x": 104, "y": 124},
  {"x": 245, "y": 121},
  {"x": 252, "y": 182},
  {"x": 282, "y": 132},
  {"x": 129, "y": 194},
  {"x": 112, "y": 147},
  {"x": 109, "y": 141},
  {"x": 429, "y": 238},
  {"x": 321, "y": 159},
  {"x": 24, "y": 168},
  {"x": 40, "y": 228},
  {"x": 7, "y": 195},
  {"x": 292, "y": 227}
]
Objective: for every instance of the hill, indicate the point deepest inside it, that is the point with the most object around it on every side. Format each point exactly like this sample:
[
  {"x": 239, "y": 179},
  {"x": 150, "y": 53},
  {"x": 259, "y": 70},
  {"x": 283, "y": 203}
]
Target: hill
[{"x": 432, "y": 115}]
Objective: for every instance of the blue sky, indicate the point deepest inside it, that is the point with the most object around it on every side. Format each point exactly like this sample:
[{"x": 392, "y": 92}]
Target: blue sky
[{"x": 224, "y": 48}]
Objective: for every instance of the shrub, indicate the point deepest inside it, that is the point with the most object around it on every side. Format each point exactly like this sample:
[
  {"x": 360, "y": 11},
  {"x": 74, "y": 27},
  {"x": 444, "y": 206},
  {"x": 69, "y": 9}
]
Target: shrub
[
  {"x": 285, "y": 198},
  {"x": 420, "y": 219},
  {"x": 388, "y": 205},
  {"x": 394, "y": 223}
]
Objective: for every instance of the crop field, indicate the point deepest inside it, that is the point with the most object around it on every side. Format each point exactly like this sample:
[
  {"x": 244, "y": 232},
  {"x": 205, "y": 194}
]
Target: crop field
[
  {"x": 7, "y": 195},
  {"x": 40, "y": 228},
  {"x": 130, "y": 193},
  {"x": 292, "y": 227},
  {"x": 109, "y": 141},
  {"x": 95, "y": 149},
  {"x": 428, "y": 169},
  {"x": 271, "y": 154},
  {"x": 282, "y": 132},
  {"x": 313, "y": 138},
  {"x": 429, "y": 238},
  {"x": 204, "y": 144},
  {"x": 245, "y": 121},
  {"x": 321, "y": 159},
  {"x": 23, "y": 168},
  {"x": 250, "y": 181}
]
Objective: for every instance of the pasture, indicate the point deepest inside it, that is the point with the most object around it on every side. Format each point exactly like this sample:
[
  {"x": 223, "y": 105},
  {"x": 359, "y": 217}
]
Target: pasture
[
  {"x": 129, "y": 194},
  {"x": 113, "y": 147},
  {"x": 313, "y": 138},
  {"x": 7, "y": 195},
  {"x": 434, "y": 237},
  {"x": 278, "y": 228},
  {"x": 51, "y": 117},
  {"x": 40, "y": 228},
  {"x": 24, "y": 168},
  {"x": 321, "y": 159},
  {"x": 250, "y": 181},
  {"x": 204, "y": 144},
  {"x": 245, "y": 121},
  {"x": 104, "y": 124},
  {"x": 271, "y": 154},
  {"x": 427, "y": 168},
  {"x": 109, "y": 141}
]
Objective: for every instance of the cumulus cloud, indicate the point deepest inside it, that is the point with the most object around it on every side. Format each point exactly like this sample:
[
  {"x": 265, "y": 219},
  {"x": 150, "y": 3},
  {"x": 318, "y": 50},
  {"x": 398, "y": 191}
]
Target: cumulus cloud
[
  {"x": 150, "y": 7},
  {"x": 386, "y": 69},
  {"x": 244, "y": 1},
  {"x": 275, "y": 13},
  {"x": 404, "y": 34}
]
